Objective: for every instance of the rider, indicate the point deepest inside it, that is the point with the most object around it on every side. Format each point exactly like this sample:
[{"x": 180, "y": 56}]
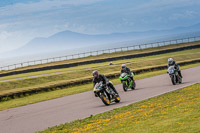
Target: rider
[
  {"x": 100, "y": 77},
  {"x": 171, "y": 62},
  {"x": 125, "y": 69}
]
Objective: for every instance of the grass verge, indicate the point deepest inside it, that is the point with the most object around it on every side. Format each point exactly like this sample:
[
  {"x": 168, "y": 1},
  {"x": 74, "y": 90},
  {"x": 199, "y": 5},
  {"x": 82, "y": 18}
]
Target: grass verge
[
  {"x": 71, "y": 90},
  {"x": 56, "y": 79},
  {"x": 176, "y": 111}
]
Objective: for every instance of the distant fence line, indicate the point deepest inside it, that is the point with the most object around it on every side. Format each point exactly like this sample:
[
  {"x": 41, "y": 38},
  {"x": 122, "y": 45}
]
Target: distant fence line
[{"x": 99, "y": 52}]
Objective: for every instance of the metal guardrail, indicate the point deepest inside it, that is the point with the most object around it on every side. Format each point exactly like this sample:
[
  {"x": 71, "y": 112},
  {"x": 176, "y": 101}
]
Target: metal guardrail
[{"x": 94, "y": 53}]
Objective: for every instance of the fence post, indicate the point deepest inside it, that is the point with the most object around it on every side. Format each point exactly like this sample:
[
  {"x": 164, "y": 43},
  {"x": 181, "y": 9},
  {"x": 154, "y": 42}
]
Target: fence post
[
  {"x": 151, "y": 45},
  {"x": 146, "y": 45},
  {"x": 158, "y": 44}
]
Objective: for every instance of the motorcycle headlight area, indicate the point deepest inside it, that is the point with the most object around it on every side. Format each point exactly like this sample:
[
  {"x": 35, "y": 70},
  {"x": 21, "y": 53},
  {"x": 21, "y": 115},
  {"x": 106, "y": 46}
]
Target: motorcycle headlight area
[{"x": 171, "y": 71}]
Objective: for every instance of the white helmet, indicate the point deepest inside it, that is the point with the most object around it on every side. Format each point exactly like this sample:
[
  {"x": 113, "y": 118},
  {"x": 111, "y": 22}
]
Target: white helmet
[
  {"x": 170, "y": 60},
  {"x": 123, "y": 65}
]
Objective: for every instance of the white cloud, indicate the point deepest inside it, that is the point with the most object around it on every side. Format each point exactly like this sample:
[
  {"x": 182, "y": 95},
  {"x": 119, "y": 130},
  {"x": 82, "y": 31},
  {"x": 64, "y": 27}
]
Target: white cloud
[
  {"x": 44, "y": 18},
  {"x": 2, "y": 26},
  {"x": 4, "y": 35},
  {"x": 43, "y": 5},
  {"x": 187, "y": 14}
]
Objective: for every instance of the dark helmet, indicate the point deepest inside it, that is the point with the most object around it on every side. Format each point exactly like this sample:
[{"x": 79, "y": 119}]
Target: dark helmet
[{"x": 95, "y": 73}]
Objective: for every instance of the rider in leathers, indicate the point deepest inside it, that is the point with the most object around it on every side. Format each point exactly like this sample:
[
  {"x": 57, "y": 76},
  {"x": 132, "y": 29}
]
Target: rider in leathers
[
  {"x": 100, "y": 77},
  {"x": 125, "y": 69},
  {"x": 171, "y": 62}
]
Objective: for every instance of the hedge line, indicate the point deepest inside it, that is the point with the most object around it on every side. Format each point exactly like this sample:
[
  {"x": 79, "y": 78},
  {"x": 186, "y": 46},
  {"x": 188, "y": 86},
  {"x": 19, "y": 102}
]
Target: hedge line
[
  {"x": 84, "y": 81},
  {"x": 99, "y": 60}
]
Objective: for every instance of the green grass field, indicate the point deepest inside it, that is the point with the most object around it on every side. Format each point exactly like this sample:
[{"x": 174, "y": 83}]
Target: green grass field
[
  {"x": 105, "y": 64},
  {"x": 71, "y": 90},
  {"x": 176, "y": 111},
  {"x": 73, "y": 75},
  {"x": 108, "y": 55}
]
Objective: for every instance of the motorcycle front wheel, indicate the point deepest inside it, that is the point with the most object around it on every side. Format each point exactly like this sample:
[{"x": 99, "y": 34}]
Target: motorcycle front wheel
[
  {"x": 173, "y": 80},
  {"x": 105, "y": 99},
  {"x": 125, "y": 87}
]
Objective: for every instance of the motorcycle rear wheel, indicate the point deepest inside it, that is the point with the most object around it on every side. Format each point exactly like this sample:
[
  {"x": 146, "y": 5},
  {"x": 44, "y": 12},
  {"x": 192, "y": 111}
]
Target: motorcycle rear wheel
[
  {"x": 133, "y": 85},
  {"x": 180, "y": 80},
  {"x": 117, "y": 99}
]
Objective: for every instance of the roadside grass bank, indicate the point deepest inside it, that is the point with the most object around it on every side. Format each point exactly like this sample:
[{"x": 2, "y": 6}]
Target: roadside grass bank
[
  {"x": 191, "y": 54},
  {"x": 70, "y": 90},
  {"x": 61, "y": 85},
  {"x": 85, "y": 73},
  {"x": 102, "y": 56},
  {"x": 176, "y": 111}
]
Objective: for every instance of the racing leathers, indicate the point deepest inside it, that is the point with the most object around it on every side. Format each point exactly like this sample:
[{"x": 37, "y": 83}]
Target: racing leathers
[
  {"x": 105, "y": 81},
  {"x": 176, "y": 67},
  {"x": 128, "y": 71}
]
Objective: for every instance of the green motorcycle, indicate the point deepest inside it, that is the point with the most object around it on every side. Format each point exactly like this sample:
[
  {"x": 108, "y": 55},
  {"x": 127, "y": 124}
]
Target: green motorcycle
[{"x": 127, "y": 82}]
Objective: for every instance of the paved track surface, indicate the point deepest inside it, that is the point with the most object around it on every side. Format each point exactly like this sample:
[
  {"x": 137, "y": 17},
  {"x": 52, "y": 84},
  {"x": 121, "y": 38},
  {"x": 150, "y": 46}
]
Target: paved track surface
[{"x": 39, "y": 116}]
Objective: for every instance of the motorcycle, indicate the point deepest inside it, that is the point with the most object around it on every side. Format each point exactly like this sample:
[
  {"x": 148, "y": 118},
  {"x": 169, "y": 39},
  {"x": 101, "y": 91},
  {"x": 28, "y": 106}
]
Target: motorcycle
[
  {"x": 175, "y": 77},
  {"x": 106, "y": 94},
  {"x": 127, "y": 82}
]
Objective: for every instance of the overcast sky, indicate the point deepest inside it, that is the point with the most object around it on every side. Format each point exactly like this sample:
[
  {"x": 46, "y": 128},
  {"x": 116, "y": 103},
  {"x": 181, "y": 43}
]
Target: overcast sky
[{"x": 23, "y": 20}]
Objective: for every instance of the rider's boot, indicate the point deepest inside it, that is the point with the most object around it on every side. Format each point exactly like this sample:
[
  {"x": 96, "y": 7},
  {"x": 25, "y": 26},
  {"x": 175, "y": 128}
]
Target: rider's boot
[
  {"x": 179, "y": 72},
  {"x": 113, "y": 88},
  {"x": 130, "y": 82}
]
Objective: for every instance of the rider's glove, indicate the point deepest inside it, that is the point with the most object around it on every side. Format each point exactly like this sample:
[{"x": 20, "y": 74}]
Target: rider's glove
[{"x": 104, "y": 86}]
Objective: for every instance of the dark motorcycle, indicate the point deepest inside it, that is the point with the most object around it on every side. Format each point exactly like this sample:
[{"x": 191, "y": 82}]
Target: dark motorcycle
[
  {"x": 175, "y": 77},
  {"x": 106, "y": 94}
]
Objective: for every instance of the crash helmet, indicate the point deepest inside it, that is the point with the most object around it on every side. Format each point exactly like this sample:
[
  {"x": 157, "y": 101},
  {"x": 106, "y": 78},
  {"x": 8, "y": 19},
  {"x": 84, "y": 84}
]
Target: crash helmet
[
  {"x": 170, "y": 60},
  {"x": 123, "y": 66},
  {"x": 95, "y": 73}
]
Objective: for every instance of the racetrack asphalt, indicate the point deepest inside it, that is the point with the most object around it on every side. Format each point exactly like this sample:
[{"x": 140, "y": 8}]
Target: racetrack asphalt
[{"x": 39, "y": 116}]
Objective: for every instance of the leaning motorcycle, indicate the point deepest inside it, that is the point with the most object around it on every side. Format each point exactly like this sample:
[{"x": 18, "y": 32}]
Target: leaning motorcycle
[
  {"x": 104, "y": 92},
  {"x": 127, "y": 82},
  {"x": 175, "y": 77}
]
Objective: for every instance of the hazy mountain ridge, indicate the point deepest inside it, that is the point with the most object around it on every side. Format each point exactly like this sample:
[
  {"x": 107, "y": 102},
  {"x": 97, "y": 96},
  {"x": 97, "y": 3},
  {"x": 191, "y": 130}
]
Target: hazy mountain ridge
[{"x": 70, "y": 40}]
